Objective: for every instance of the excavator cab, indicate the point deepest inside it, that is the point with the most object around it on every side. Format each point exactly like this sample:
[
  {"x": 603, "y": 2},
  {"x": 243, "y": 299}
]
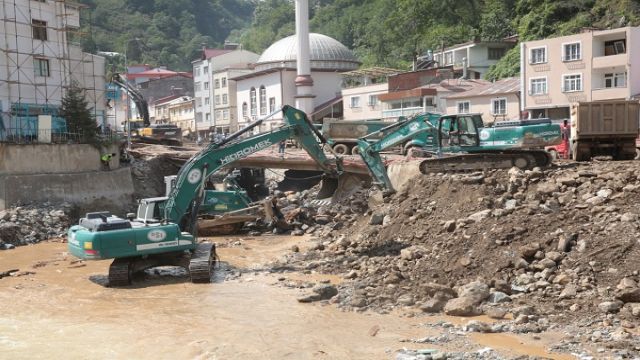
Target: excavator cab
[{"x": 458, "y": 132}]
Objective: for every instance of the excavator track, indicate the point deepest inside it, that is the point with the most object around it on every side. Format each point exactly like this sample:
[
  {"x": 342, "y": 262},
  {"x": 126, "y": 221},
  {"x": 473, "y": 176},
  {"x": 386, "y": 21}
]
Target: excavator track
[
  {"x": 525, "y": 159},
  {"x": 201, "y": 263},
  {"x": 120, "y": 272}
]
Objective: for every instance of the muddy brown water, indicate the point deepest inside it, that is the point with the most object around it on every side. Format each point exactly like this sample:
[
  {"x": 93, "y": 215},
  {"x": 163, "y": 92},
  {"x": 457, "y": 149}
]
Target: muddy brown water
[{"x": 63, "y": 311}]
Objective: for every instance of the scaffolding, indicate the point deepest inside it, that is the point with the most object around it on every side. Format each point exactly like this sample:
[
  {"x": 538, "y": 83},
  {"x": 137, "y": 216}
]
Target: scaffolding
[{"x": 40, "y": 60}]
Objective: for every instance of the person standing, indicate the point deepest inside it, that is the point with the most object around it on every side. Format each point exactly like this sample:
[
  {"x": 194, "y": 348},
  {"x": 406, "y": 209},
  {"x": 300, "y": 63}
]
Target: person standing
[
  {"x": 566, "y": 133},
  {"x": 281, "y": 146}
]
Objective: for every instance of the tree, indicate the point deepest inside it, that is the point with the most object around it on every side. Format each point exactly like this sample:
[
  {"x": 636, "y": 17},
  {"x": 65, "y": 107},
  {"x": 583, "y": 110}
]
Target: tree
[{"x": 75, "y": 110}]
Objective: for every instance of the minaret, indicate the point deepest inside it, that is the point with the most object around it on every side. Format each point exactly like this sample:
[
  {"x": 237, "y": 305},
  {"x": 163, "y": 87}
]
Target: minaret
[{"x": 304, "y": 82}]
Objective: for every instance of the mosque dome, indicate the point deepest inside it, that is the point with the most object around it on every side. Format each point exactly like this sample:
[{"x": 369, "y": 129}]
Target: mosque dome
[{"x": 326, "y": 54}]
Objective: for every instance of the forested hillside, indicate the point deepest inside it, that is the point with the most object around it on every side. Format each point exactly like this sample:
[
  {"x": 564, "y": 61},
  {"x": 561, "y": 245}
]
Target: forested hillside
[
  {"x": 382, "y": 32},
  {"x": 170, "y": 32}
]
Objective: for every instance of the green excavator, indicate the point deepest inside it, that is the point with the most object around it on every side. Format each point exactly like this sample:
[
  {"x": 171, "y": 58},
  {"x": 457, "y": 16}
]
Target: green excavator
[
  {"x": 461, "y": 143},
  {"x": 164, "y": 229}
]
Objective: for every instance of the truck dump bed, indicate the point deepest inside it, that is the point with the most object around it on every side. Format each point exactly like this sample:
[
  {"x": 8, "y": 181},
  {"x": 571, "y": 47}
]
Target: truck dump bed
[{"x": 608, "y": 119}]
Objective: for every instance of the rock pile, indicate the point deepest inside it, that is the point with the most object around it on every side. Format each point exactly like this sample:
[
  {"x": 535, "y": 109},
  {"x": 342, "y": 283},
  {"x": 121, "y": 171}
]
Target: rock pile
[
  {"x": 546, "y": 246},
  {"x": 29, "y": 224}
]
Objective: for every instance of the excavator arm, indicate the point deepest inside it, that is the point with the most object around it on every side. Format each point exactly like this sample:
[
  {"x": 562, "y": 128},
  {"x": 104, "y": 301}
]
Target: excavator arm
[
  {"x": 136, "y": 96},
  {"x": 178, "y": 207},
  {"x": 393, "y": 135}
]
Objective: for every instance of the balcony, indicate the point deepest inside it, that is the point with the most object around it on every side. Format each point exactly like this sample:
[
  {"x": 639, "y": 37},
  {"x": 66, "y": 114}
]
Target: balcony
[
  {"x": 394, "y": 113},
  {"x": 609, "y": 93},
  {"x": 601, "y": 62}
]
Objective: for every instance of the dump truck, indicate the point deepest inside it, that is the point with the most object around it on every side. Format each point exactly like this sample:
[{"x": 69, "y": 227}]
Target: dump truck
[
  {"x": 604, "y": 128},
  {"x": 343, "y": 135}
]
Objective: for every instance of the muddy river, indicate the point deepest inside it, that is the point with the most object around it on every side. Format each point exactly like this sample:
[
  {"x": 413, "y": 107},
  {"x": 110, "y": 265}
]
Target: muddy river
[{"x": 62, "y": 310}]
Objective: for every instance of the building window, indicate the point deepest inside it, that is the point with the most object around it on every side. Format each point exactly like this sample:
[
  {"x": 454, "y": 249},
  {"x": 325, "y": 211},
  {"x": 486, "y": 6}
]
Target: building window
[
  {"x": 538, "y": 55},
  {"x": 244, "y": 110},
  {"x": 41, "y": 67},
  {"x": 355, "y": 101},
  {"x": 208, "y": 117},
  {"x": 225, "y": 99},
  {"x": 224, "y": 82},
  {"x": 206, "y": 85},
  {"x": 263, "y": 100},
  {"x": 272, "y": 104},
  {"x": 39, "y": 29},
  {"x": 499, "y": 106},
  {"x": 205, "y": 70},
  {"x": 448, "y": 58},
  {"x": 217, "y": 84},
  {"x": 615, "y": 80},
  {"x": 615, "y": 47},
  {"x": 206, "y": 101},
  {"x": 463, "y": 107},
  {"x": 572, "y": 83},
  {"x": 253, "y": 101},
  {"x": 571, "y": 52},
  {"x": 496, "y": 53},
  {"x": 197, "y": 86},
  {"x": 225, "y": 114},
  {"x": 217, "y": 99},
  {"x": 373, "y": 100},
  {"x": 429, "y": 101},
  {"x": 538, "y": 86},
  {"x": 198, "y": 102},
  {"x": 196, "y": 70}
]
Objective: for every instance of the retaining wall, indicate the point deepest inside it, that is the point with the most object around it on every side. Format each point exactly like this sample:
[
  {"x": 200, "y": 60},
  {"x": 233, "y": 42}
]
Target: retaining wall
[
  {"x": 89, "y": 191},
  {"x": 52, "y": 158}
]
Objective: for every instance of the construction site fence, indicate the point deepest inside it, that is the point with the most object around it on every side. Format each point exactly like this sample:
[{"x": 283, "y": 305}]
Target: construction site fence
[{"x": 48, "y": 136}]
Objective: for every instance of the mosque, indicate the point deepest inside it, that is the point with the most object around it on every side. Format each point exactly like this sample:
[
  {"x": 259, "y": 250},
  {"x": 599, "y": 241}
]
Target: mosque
[{"x": 274, "y": 79}]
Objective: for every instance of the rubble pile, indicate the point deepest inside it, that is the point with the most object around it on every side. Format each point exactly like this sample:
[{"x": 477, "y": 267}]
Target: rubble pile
[
  {"x": 547, "y": 247},
  {"x": 305, "y": 214},
  {"x": 31, "y": 224}
]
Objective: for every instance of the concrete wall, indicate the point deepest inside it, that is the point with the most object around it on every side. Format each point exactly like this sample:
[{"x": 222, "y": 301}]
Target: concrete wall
[
  {"x": 46, "y": 159},
  {"x": 90, "y": 191}
]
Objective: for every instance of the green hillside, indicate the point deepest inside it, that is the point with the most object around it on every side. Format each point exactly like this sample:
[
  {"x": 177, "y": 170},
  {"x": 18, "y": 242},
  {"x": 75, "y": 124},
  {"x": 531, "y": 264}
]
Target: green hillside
[
  {"x": 170, "y": 32},
  {"x": 382, "y": 32}
]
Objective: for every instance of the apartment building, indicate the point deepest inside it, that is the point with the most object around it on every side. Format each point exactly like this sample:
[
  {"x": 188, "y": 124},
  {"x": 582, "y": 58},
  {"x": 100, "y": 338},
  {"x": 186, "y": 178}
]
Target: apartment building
[
  {"x": 181, "y": 113},
  {"x": 495, "y": 101},
  {"x": 225, "y": 98},
  {"x": 360, "y": 92},
  {"x": 591, "y": 66},
  {"x": 40, "y": 57},
  {"x": 211, "y": 61},
  {"x": 479, "y": 56}
]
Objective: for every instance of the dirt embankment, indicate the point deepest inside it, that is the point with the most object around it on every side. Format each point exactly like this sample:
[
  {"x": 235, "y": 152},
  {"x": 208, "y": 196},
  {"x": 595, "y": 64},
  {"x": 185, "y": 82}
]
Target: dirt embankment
[{"x": 552, "y": 248}]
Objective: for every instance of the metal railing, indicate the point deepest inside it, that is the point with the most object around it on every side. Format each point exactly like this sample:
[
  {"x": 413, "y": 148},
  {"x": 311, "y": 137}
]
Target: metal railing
[{"x": 49, "y": 136}]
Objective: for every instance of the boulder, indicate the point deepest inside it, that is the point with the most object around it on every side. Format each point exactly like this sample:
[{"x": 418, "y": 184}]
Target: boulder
[
  {"x": 629, "y": 295},
  {"x": 476, "y": 291},
  {"x": 462, "y": 306},
  {"x": 433, "y": 305},
  {"x": 610, "y": 306},
  {"x": 498, "y": 297},
  {"x": 480, "y": 215}
]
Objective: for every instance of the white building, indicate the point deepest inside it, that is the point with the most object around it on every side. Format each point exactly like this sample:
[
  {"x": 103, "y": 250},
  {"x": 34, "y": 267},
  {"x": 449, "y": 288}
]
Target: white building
[
  {"x": 479, "y": 56},
  {"x": 40, "y": 59},
  {"x": 213, "y": 60},
  {"x": 272, "y": 84},
  {"x": 225, "y": 99}
]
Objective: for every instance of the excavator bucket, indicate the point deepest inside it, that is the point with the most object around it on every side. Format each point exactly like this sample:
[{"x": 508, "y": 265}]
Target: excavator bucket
[
  {"x": 340, "y": 188},
  {"x": 328, "y": 187}
]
